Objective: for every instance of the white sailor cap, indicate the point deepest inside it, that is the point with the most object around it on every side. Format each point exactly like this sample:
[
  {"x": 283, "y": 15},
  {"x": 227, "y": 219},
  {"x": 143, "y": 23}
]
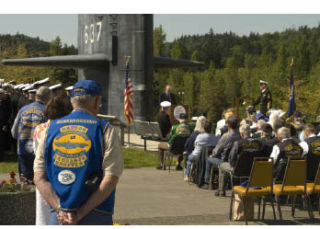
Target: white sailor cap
[
  {"x": 39, "y": 82},
  {"x": 17, "y": 86},
  {"x": 56, "y": 86},
  {"x": 32, "y": 91},
  {"x": 69, "y": 88},
  {"x": 25, "y": 87},
  {"x": 263, "y": 82},
  {"x": 28, "y": 87},
  {"x": 165, "y": 104}
]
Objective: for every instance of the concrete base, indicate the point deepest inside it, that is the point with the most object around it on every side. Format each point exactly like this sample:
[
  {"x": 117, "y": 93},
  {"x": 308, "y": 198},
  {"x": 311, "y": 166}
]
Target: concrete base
[{"x": 17, "y": 208}]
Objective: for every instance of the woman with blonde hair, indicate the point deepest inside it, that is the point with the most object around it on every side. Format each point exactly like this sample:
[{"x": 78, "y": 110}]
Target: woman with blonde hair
[{"x": 189, "y": 145}]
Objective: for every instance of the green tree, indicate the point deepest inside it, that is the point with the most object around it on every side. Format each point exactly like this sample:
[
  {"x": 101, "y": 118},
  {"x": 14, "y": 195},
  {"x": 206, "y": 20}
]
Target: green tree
[
  {"x": 159, "y": 38},
  {"x": 55, "y": 47}
]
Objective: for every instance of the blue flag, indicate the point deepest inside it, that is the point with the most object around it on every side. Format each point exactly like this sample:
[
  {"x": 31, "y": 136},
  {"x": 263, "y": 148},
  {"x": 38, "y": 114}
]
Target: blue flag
[{"x": 292, "y": 104}]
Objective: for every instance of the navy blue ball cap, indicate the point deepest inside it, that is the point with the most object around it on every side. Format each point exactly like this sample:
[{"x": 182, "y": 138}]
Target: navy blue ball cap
[{"x": 86, "y": 87}]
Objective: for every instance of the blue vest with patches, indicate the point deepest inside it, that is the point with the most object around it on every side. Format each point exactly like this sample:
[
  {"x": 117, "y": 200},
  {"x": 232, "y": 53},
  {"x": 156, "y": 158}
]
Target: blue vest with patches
[
  {"x": 73, "y": 154},
  {"x": 30, "y": 116}
]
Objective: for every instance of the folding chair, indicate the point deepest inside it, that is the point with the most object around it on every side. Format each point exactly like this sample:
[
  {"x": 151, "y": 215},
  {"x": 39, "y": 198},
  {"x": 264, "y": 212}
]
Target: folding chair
[
  {"x": 243, "y": 165},
  {"x": 313, "y": 188},
  {"x": 293, "y": 184},
  {"x": 261, "y": 176}
]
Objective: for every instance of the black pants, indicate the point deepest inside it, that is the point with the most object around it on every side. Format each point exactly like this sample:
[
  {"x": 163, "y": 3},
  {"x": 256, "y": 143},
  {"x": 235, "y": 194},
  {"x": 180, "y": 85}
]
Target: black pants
[{"x": 25, "y": 166}]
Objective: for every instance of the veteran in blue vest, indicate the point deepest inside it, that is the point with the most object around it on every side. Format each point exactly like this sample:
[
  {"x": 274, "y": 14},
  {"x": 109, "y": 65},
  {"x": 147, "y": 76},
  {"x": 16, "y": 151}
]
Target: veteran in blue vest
[
  {"x": 27, "y": 119},
  {"x": 79, "y": 161}
]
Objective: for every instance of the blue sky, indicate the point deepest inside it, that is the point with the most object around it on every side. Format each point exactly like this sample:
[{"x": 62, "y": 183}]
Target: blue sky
[{"x": 48, "y": 26}]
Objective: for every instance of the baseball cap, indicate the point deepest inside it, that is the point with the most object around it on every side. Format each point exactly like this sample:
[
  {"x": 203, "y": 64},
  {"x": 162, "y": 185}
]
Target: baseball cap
[{"x": 86, "y": 87}]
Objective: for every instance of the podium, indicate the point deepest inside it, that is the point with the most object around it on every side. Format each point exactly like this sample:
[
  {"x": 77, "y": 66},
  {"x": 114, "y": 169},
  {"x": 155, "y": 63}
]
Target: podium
[{"x": 175, "y": 111}]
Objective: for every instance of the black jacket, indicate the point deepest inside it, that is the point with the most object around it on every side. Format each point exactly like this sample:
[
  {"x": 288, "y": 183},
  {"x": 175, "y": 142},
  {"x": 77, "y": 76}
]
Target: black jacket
[
  {"x": 164, "y": 123},
  {"x": 265, "y": 101},
  {"x": 168, "y": 97}
]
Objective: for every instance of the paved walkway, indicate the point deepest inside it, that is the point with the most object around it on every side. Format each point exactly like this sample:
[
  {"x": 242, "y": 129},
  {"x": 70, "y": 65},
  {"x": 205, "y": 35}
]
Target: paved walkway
[{"x": 147, "y": 196}]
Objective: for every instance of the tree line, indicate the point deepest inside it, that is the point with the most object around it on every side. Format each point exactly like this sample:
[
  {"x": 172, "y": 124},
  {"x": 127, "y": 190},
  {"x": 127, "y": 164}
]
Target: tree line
[
  {"x": 234, "y": 65},
  {"x": 22, "y": 46}
]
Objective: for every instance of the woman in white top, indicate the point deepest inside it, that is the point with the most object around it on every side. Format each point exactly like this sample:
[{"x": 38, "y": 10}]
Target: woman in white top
[
  {"x": 202, "y": 140},
  {"x": 56, "y": 108}
]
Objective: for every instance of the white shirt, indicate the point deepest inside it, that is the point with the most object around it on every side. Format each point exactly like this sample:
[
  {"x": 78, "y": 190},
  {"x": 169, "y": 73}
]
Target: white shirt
[
  {"x": 276, "y": 151},
  {"x": 305, "y": 146}
]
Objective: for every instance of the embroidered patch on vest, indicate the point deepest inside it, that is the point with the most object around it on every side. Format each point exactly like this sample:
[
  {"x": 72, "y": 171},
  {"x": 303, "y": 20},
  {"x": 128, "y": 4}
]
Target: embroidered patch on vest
[
  {"x": 71, "y": 146},
  {"x": 66, "y": 177}
]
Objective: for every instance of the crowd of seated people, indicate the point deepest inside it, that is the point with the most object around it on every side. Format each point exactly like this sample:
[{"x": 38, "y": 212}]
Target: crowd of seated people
[{"x": 273, "y": 137}]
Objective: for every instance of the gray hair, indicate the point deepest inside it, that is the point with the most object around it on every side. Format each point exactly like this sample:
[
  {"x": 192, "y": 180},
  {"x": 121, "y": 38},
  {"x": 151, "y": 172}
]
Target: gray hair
[
  {"x": 83, "y": 100},
  {"x": 200, "y": 124},
  {"x": 245, "y": 129},
  {"x": 43, "y": 94},
  {"x": 260, "y": 123},
  {"x": 284, "y": 132}
]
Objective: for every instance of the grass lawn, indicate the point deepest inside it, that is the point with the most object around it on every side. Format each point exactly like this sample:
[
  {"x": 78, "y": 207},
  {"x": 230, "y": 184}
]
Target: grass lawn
[
  {"x": 137, "y": 159},
  {"x": 132, "y": 159},
  {"x": 7, "y": 167}
]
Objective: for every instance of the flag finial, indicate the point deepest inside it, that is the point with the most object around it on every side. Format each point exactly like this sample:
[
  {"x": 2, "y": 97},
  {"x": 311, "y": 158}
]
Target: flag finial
[{"x": 291, "y": 64}]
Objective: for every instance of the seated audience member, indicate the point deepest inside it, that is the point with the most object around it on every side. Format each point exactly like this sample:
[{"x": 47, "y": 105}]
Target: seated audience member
[
  {"x": 257, "y": 134},
  {"x": 221, "y": 124},
  {"x": 275, "y": 120},
  {"x": 246, "y": 144},
  {"x": 221, "y": 152},
  {"x": 164, "y": 119},
  {"x": 199, "y": 129},
  {"x": 311, "y": 150},
  {"x": 204, "y": 139},
  {"x": 287, "y": 147},
  {"x": 298, "y": 121},
  {"x": 268, "y": 140},
  {"x": 293, "y": 132},
  {"x": 251, "y": 116},
  {"x": 181, "y": 129},
  {"x": 277, "y": 124}
]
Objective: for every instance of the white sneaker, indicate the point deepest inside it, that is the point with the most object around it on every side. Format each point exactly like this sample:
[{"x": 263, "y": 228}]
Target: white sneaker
[{"x": 186, "y": 178}]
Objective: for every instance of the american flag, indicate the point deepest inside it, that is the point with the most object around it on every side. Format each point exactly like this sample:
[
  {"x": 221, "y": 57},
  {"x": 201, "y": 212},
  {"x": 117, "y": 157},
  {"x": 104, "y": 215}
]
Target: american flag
[{"x": 128, "y": 106}]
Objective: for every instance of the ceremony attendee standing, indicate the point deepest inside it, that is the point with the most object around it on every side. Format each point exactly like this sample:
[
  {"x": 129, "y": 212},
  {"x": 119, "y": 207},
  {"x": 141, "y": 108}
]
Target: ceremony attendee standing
[
  {"x": 164, "y": 119},
  {"x": 79, "y": 161},
  {"x": 265, "y": 99},
  {"x": 168, "y": 96},
  {"x": 55, "y": 108},
  {"x": 5, "y": 115},
  {"x": 27, "y": 119}
]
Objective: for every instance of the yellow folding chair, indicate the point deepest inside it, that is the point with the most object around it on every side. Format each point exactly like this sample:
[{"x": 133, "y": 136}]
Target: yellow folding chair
[
  {"x": 313, "y": 188},
  {"x": 260, "y": 185},
  {"x": 293, "y": 184}
]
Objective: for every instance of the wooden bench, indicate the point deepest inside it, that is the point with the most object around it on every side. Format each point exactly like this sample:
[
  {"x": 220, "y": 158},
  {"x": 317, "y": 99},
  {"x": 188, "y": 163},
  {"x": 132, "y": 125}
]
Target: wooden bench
[{"x": 148, "y": 131}]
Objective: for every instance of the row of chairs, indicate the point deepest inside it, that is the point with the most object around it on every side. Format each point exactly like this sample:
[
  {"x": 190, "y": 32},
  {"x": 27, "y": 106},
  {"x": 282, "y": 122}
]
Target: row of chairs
[{"x": 261, "y": 185}]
